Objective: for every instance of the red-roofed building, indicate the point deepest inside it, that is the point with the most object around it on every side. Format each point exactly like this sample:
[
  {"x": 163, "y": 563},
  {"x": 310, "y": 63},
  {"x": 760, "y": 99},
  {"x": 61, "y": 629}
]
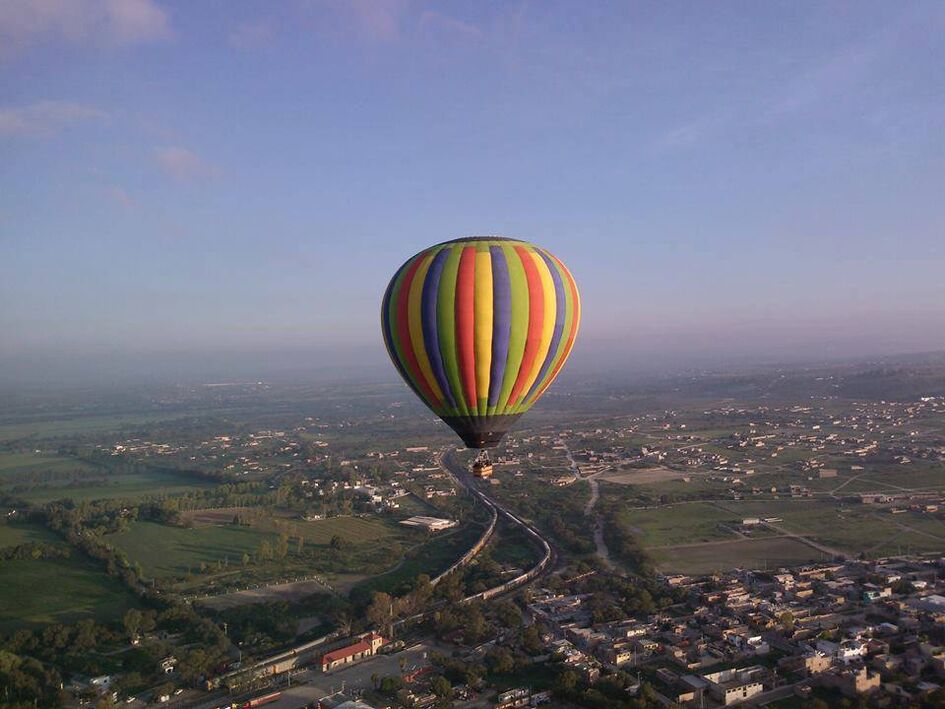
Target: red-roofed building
[{"x": 366, "y": 647}]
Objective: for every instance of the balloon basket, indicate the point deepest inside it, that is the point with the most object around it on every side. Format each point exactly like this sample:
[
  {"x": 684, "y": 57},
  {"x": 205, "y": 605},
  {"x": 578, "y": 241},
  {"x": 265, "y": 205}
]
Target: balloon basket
[{"x": 482, "y": 466}]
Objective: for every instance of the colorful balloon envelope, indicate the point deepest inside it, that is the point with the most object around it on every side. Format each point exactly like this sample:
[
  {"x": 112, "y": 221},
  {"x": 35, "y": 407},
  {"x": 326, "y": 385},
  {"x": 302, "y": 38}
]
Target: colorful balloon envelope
[{"x": 479, "y": 328}]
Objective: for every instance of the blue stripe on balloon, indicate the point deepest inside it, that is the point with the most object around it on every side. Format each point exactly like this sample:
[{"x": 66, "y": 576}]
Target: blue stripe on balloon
[
  {"x": 560, "y": 306},
  {"x": 431, "y": 339},
  {"x": 501, "y": 321}
]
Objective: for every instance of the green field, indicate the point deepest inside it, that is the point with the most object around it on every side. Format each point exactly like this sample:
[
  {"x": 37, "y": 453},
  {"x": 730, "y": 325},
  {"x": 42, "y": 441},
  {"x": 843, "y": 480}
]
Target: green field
[
  {"x": 165, "y": 551},
  {"x": 16, "y": 463},
  {"x": 679, "y": 524},
  {"x": 136, "y": 486},
  {"x": 431, "y": 558},
  {"x": 356, "y": 530},
  {"x": 851, "y": 528},
  {"x": 52, "y": 428},
  {"x": 58, "y": 591},
  {"x": 12, "y": 535},
  {"x": 721, "y": 556}
]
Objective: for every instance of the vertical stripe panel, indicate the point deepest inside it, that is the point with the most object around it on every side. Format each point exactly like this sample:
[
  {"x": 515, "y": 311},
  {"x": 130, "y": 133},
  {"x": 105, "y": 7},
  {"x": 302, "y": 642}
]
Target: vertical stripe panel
[
  {"x": 554, "y": 349},
  {"x": 415, "y": 324},
  {"x": 431, "y": 338},
  {"x": 501, "y": 322},
  {"x": 403, "y": 335},
  {"x": 483, "y": 327},
  {"x": 446, "y": 326},
  {"x": 571, "y": 327},
  {"x": 465, "y": 323},
  {"x": 549, "y": 305},
  {"x": 387, "y": 327},
  {"x": 518, "y": 329},
  {"x": 536, "y": 311}
]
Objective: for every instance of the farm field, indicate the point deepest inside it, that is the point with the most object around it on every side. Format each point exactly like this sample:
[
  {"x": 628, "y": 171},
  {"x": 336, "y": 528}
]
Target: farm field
[
  {"x": 643, "y": 476},
  {"x": 679, "y": 524},
  {"x": 12, "y": 535},
  {"x": 720, "y": 556},
  {"x": 164, "y": 551},
  {"x": 431, "y": 558},
  {"x": 17, "y": 466},
  {"x": 851, "y": 528},
  {"x": 352, "y": 529},
  {"x": 58, "y": 591},
  {"x": 51, "y": 428},
  {"x": 135, "y": 486}
]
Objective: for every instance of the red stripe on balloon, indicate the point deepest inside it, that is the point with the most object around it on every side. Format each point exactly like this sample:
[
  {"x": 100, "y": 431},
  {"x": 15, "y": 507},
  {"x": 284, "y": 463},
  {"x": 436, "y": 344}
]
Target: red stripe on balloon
[
  {"x": 403, "y": 334},
  {"x": 536, "y": 316},
  {"x": 466, "y": 322}
]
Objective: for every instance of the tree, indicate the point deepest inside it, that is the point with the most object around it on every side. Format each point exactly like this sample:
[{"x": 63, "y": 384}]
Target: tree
[
  {"x": 391, "y": 685},
  {"x": 441, "y": 687},
  {"x": 507, "y": 615},
  {"x": 245, "y": 559},
  {"x": 265, "y": 550},
  {"x": 531, "y": 640},
  {"x": 132, "y": 623},
  {"x": 282, "y": 546},
  {"x": 500, "y": 660},
  {"x": 381, "y": 610},
  {"x": 567, "y": 681}
]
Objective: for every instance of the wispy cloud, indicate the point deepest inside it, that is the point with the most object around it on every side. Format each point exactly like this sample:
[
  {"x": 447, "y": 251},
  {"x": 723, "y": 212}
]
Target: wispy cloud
[
  {"x": 379, "y": 19},
  {"x": 252, "y": 35},
  {"x": 372, "y": 20},
  {"x": 183, "y": 164},
  {"x": 46, "y": 118},
  {"x": 80, "y": 22},
  {"x": 119, "y": 195},
  {"x": 434, "y": 21},
  {"x": 826, "y": 79}
]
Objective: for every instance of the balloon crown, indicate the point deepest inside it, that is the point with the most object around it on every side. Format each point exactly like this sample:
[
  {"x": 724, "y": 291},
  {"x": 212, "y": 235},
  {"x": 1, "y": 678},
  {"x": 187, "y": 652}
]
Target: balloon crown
[{"x": 482, "y": 238}]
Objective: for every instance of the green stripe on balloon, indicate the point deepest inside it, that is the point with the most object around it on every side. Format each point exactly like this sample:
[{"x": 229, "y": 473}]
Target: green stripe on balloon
[
  {"x": 519, "y": 330},
  {"x": 446, "y": 325}
]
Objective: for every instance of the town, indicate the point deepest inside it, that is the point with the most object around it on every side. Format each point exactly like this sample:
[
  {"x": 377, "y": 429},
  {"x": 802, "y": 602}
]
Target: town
[{"x": 685, "y": 552}]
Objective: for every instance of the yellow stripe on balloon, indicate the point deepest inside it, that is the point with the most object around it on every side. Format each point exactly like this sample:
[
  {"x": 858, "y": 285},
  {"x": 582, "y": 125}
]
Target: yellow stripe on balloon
[
  {"x": 547, "y": 320},
  {"x": 415, "y": 323},
  {"x": 483, "y": 327}
]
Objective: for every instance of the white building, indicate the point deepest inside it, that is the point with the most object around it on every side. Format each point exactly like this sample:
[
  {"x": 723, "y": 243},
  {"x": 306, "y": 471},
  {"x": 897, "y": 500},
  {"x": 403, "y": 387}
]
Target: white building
[{"x": 431, "y": 524}]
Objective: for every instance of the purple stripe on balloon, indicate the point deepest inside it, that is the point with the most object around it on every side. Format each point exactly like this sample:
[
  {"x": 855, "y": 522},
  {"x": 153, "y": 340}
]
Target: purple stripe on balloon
[
  {"x": 501, "y": 321},
  {"x": 431, "y": 339},
  {"x": 560, "y": 306}
]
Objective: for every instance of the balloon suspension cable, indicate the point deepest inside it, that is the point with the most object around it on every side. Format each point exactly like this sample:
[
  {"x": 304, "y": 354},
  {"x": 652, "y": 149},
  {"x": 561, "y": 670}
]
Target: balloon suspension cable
[{"x": 482, "y": 458}]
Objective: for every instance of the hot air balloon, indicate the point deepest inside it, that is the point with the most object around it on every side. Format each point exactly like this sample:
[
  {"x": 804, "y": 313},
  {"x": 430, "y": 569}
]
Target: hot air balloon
[{"x": 479, "y": 328}]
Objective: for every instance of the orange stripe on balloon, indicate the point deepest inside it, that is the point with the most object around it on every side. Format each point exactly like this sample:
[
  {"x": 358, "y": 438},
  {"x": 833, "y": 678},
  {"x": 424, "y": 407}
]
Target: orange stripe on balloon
[
  {"x": 403, "y": 333},
  {"x": 575, "y": 321},
  {"x": 465, "y": 323},
  {"x": 536, "y": 313}
]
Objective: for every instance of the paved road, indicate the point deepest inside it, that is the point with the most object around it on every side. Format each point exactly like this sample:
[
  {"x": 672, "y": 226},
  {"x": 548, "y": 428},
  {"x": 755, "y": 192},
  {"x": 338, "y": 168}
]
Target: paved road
[{"x": 603, "y": 552}]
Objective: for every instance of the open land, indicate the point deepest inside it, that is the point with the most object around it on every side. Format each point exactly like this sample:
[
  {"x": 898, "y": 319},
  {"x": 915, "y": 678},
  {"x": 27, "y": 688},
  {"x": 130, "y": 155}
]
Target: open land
[{"x": 37, "y": 592}]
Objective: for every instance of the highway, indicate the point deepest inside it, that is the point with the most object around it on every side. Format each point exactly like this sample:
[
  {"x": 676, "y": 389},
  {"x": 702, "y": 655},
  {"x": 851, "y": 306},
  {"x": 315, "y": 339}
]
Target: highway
[
  {"x": 549, "y": 557},
  {"x": 301, "y": 654}
]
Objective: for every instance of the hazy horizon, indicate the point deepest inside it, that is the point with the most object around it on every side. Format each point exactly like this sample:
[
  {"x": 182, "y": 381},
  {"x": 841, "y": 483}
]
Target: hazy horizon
[{"x": 187, "y": 193}]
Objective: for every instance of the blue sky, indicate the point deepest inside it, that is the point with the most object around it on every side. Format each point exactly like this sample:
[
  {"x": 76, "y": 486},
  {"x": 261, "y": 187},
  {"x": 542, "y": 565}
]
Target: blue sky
[{"x": 759, "y": 179}]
